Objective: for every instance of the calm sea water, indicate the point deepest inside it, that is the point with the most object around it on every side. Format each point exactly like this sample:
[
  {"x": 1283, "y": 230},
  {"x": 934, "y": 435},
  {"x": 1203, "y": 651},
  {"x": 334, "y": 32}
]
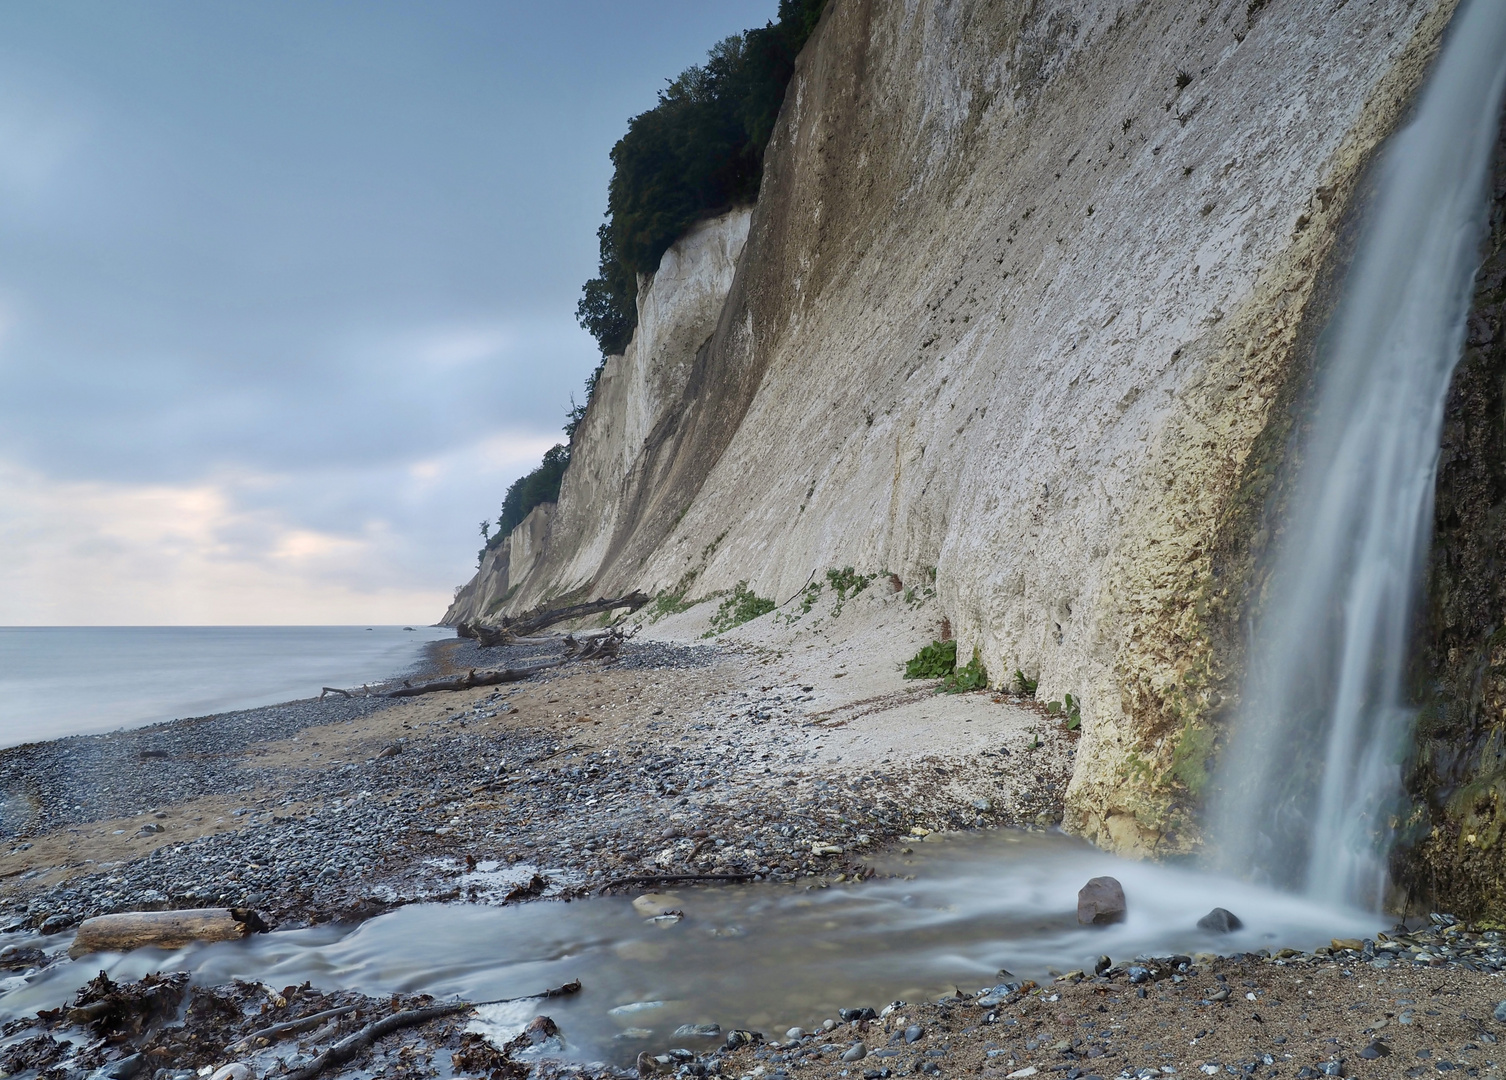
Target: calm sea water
[{"x": 70, "y": 680}]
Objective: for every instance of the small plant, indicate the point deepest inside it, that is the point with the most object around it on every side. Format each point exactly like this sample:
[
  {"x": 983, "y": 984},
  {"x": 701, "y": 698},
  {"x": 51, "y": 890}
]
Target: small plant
[
  {"x": 846, "y": 583},
  {"x": 673, "y": 601},
  {"x": 1184, "y": 80},
  {"x": 809, "y": 595},
  {"x": 1026, "y": 684},
  {"x": 1071, "y": 709},
  {"x": 742, "y": 606},
  {"x": 936, "y": 661},
  {"x": 971, "y": 676}
]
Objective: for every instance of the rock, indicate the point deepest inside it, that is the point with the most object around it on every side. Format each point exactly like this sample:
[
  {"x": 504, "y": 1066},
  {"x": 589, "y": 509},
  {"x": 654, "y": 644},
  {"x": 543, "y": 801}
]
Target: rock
[
  {"x": 1353, "y": 944},
  {"x": 632, "y": 1008},
  {"x": 1220, "y": 921},
  {"x": 914, "y": 1033},
  {"x": 856, "y": 1052},
  {"x": 126, "y": 1067},
  {"x": 55, "y": 924},
  {"x": 1375, "y": 1050},
  {"x": 827, "y": 1025},
  {"x": 632, "y": 1035},
  {"x": 652, "y": 904},
  {"x": 850, "y": 1015},
  {"x": 983, "y": 806},
  {"x": 738, "y": 1037},
  {"x": 236, "y": 1070},
  {"x": 1102, "y": 965},
  {"x": 390, "y": 750},
  {"x": 794, "y": 1033},
  {"x": 1500, "y": 1012},
  {"x": 825, "y": 849},
  {"x": 698, "y": 1031},
  {"x": 1100, "y": 902},
  {"x": 1137, "y": 974}
]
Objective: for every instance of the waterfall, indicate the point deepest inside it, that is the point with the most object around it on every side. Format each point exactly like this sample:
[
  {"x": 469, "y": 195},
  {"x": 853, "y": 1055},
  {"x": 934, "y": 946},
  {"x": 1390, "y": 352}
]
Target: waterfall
[{"x": 1311, "y": 782}]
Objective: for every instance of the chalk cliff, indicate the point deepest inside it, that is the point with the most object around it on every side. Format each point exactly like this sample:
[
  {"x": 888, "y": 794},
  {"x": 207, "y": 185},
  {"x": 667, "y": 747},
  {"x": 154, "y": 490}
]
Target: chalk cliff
[{"x": 1028, "y": 300}]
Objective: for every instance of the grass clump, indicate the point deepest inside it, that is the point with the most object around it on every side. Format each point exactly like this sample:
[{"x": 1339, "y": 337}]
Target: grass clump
[
  {"x": 743, "y": 605},
  {"x": 936, "y": 661},
  {"x": 1026, "y": 684}
]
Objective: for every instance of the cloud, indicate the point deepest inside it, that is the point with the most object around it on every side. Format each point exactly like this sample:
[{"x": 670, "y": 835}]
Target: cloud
[{"x": 383, "y": 545}]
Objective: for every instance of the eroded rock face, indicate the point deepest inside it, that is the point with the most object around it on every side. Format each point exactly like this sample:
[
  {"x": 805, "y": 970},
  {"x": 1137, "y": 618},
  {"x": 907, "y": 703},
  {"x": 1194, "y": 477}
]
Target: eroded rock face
[
  {"x": 1452, "y": 841},
  {"x": 1026, "y": 300}
]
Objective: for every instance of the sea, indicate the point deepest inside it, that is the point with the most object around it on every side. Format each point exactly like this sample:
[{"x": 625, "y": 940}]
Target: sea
[{"x": 73, "y": 680}]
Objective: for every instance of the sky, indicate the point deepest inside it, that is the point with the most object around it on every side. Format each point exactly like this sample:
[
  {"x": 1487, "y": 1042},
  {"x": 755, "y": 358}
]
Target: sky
[{"x": 287, "y": 290}]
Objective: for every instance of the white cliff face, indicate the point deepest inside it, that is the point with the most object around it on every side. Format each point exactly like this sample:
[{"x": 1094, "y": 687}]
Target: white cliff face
[
  {"x": 638, "y": 391},
  {"x": 1024, "y": 300}
]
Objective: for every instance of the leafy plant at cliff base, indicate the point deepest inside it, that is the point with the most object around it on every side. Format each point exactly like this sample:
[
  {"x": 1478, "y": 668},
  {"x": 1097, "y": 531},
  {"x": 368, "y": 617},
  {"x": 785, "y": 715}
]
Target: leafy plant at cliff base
[
  {"x": 673, "y": 601},
  {"x": 936, "y": 661},
  {"x": 971, "y": 676},
  {"x": 742, "y": 606},
  {"x": 1071, "y": 708},
  {"x": 1026, "y": 684},
  {"x": 809, "y": 595},
  {"x": 847, "y": 583}
]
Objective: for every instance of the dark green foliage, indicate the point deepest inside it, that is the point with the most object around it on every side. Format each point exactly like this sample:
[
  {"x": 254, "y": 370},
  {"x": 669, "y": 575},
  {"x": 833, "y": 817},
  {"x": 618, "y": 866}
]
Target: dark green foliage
[
  {"x": 1071, "y": 709},
  {"x": 847, "y": 583},
  {"x": 936, "y": 661},
  {"x": 698, "y": 152},
  {"x": 1026, "y": 684},
  {"x": 540, "y": 486},
  {"x": 971, "y": 676},
  {"x": 742, "y": 606}
]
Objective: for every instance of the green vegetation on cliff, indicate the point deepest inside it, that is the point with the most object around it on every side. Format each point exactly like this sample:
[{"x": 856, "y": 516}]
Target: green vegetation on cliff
[{"x": 697, "y": 153}]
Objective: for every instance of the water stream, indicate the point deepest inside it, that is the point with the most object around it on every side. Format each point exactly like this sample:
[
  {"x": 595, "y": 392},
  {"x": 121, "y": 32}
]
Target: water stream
[
  {"x": 1313, "y": 775},
  {"x": 759, "y": 956}
]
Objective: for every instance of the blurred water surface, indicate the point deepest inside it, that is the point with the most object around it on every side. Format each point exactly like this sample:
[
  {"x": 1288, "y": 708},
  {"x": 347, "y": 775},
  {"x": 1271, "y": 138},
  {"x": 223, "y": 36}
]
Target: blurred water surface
[{"x": 72, "y": 680}]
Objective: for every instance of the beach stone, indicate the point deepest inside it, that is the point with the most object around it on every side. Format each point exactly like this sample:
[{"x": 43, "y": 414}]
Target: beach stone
[
  {"x": 850, "y": 1015},
  {"x": 1500, "y": 1012},
  {"x": 1375, "y": 1050},
  {"x": 1100, "y": 902},
  {"x": 794, "y": 1033},
  {"x": 1220, "y": 921},
  {"x": 698, "y": 1031},
  {"x": 856, "y": 1052},
  {"x": 913, "y": 1033},
  {"x": 652, "y": 905},
  {"x": 1102, "y": 965}
]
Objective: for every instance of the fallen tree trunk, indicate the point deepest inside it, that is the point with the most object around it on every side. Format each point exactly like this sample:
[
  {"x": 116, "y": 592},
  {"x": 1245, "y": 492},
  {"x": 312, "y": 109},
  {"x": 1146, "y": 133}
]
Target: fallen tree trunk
[
  {"x": 163, "y": 929},
  {"x": 512, "y": 629},
  {"x": 472, "y": 679}
]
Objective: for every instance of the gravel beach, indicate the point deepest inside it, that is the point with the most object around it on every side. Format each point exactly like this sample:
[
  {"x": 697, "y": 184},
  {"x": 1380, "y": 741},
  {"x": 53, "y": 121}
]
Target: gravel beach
[{"x": 784, "y": 763}]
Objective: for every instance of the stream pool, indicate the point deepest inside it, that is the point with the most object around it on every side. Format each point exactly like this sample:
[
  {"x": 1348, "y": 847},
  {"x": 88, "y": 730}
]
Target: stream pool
[{"x": 765, "y": 957}]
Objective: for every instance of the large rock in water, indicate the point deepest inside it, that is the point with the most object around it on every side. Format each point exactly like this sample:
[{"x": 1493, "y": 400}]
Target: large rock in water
[
  {"x": 1100, "y": 902},
  {"x": 1220, "y": 921}
]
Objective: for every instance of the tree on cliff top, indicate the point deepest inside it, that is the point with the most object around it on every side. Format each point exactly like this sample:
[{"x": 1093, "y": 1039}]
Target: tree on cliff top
[{"x": 697, "y": 153}]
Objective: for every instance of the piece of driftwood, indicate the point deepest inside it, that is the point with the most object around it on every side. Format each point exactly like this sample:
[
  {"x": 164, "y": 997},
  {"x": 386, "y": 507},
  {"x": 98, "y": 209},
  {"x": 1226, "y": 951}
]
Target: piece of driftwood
[
  {"x": 510, "y": 630},
  {"x": 351, "y": 1045},
  {"x": 163, "y": 929},
  {"x": 473, "y": 678},
  {"x": 332, "y": 690},
  {"x": 269, "y": 1035}
]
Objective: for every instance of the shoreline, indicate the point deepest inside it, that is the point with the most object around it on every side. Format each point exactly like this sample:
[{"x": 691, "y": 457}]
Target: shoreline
[{"x": 748, "y": 758}]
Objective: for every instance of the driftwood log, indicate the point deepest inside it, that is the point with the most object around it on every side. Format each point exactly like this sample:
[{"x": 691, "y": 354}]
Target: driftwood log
[
  {"x": 352, "y": 1045},
  {"x": 162, "y": 929},
  {"x": 473, "y": 678},
  {"x": 510, "y": 630}
]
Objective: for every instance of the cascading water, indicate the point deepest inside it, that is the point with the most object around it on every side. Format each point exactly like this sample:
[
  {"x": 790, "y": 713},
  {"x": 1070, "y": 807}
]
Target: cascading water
[{"x": 1312, "y": 779}]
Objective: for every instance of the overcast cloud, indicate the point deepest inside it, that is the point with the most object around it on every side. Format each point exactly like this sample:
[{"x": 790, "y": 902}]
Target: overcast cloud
[{"x": 287, "y": 290}]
